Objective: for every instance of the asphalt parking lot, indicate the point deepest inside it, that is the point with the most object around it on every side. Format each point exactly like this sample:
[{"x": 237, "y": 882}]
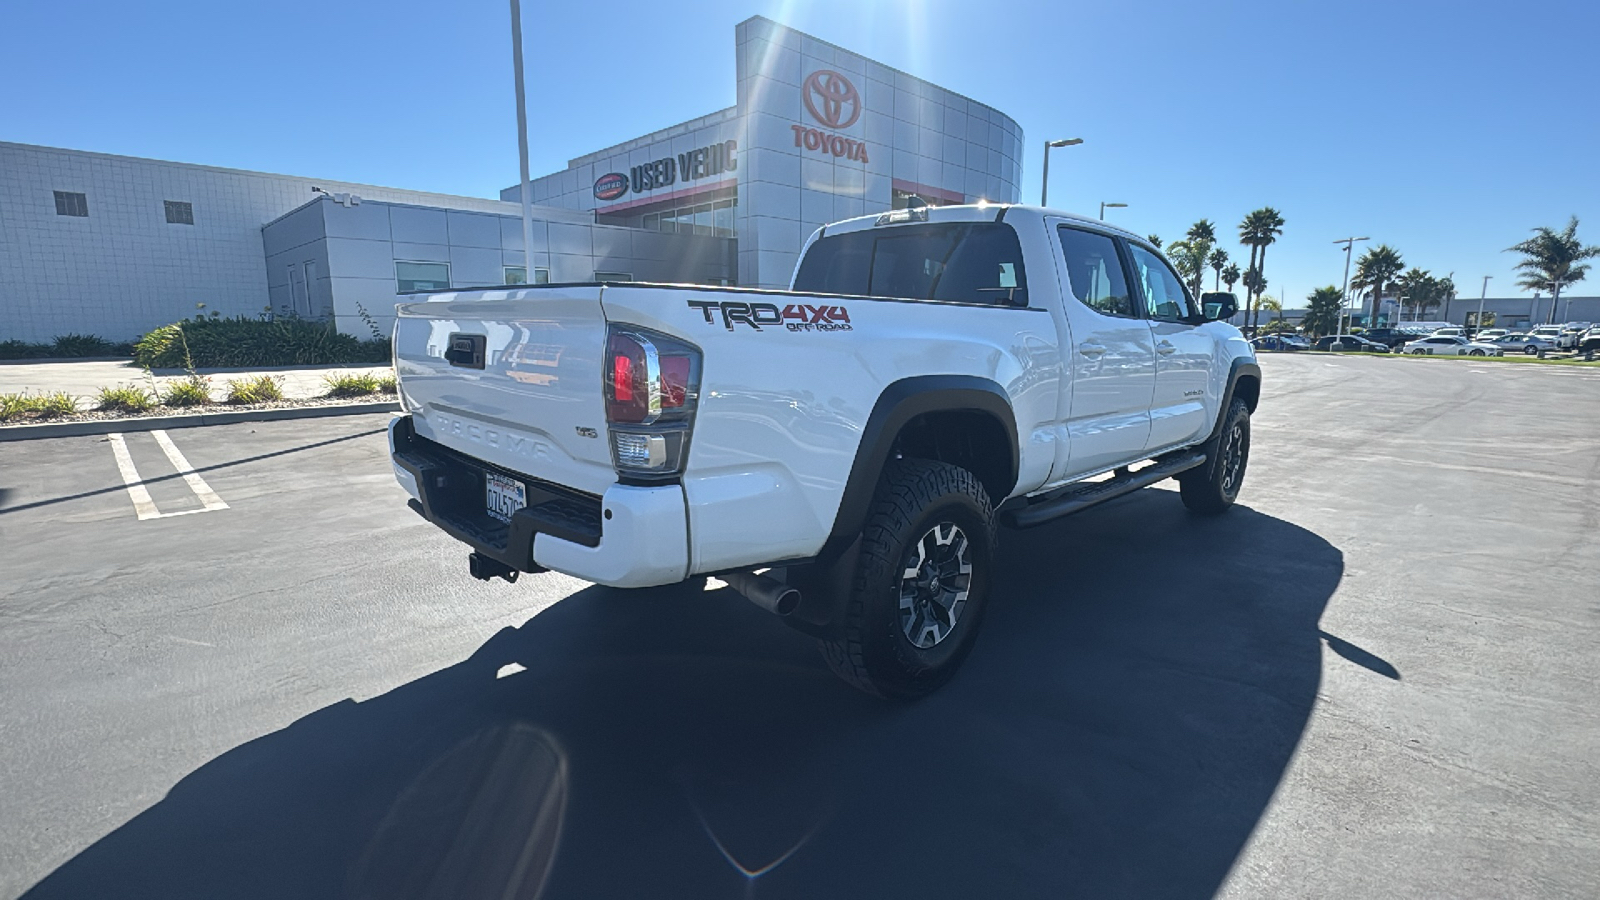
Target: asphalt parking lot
[{"x": 1376, "y": 677}]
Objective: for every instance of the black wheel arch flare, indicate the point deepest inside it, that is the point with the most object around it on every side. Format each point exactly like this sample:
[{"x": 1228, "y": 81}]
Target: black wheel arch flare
[{"x": 901, "y": 403}]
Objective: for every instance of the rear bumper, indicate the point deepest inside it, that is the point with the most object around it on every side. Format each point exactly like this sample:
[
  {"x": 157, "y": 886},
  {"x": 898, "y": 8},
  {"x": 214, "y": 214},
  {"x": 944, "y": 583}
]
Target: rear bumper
[{"x": 629, "y": 537}]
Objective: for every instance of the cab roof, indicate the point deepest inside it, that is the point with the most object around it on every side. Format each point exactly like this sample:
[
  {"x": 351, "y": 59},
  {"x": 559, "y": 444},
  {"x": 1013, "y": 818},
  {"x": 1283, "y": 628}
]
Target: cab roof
[{"x": 971, "y": 212}]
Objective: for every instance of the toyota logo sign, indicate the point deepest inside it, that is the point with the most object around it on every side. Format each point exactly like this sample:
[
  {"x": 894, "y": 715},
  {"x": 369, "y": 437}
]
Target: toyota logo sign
[
  {"x": 827, "y": 94},
  {"x": 610, "y": 187}
]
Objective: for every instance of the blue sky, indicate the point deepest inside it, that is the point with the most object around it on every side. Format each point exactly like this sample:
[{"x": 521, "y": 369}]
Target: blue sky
[{"x": 1447, "y": 129}]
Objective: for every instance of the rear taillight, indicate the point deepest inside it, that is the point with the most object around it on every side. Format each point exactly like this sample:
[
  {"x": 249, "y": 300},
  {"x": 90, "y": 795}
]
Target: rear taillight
[{"x": 652, "y": 384}]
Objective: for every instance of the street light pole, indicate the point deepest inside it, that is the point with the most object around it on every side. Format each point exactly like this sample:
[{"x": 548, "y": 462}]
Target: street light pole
[
  {"x": 1104, "y": 206},
  {"x": 522, "y": 143},
  {"x": 1481, "y": 297},
  {"x": 1044, "y": 189},
  {"x": 1344, "y": 293}
]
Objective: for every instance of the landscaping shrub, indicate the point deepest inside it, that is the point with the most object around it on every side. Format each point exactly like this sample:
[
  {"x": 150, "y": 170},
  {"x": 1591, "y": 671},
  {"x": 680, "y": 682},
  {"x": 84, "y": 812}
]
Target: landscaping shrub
[
  {"x": 192, "y": 391},
  {"x": 21, "y": 350},
  {"x": 240, "y": 342},
  {"x": 13, "y": 405},
  {"x": 261, "y": 389},
  {"x": 388, "y": 384},
  {"x": 352, "y": 385},
  {"x": 44, "y": 406},
  {"x": 78, "y": 345},
  {"x": 124, "y": 398},
  {"x": 65, "y": 346}
]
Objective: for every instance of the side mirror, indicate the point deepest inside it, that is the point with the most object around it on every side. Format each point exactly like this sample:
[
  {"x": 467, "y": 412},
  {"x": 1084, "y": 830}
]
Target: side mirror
[{"x": 1216, "y": 306}]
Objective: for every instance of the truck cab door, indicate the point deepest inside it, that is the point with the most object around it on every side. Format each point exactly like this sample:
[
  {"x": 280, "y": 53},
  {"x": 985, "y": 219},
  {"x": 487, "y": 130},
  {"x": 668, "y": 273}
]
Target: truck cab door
[
  {"x": 1110, "y": 356},
  {"x": 1178, "y": 411}
]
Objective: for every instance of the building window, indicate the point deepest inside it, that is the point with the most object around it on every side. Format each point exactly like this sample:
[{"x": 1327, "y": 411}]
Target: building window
[
  {"x": 612, "y": 276},
  {"x": 421, "y": 276},
  {"x": 69, "y": 204},
  {"x": 179, "y": 212},
  {"x": 519, "y": 275},
  {"x": 707, "y": 218}
]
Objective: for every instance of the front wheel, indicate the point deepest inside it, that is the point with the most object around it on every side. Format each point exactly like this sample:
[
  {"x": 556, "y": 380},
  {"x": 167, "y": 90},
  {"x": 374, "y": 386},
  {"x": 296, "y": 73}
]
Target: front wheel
[
  {"x": 1212, "y": 487},
  {"x": 1530, "y": 350},
  {"x": 920, "y": 584}
]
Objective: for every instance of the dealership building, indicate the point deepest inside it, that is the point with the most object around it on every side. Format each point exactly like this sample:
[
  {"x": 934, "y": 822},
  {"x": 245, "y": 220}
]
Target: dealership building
[{"x": 93, "y": 243}]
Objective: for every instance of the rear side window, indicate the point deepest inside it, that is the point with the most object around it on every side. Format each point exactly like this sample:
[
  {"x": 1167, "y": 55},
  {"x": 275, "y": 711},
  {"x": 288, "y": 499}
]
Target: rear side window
[
  {"x": 1095, "y": 272},
  {"x": 1164, "y": 296},
  {"x": 977, "y": 262}
]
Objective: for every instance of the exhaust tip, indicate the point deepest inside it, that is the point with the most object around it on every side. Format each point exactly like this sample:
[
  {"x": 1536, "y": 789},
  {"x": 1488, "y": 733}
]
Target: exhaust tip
[
  {"x": 768, "y": 593},
  {"x": 786, "y": 602}
]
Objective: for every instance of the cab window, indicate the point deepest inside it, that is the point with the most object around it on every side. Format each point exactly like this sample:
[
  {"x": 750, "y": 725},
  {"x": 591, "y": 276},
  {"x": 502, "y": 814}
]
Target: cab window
[
  {"x": 960, "y": 262},
  {"x": 1094, "y": 271},
  {"x": 1164, "y": 296}
]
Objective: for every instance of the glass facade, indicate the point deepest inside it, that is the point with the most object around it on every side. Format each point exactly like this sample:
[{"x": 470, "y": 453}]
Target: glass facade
[{"x": 715, "y": 218}]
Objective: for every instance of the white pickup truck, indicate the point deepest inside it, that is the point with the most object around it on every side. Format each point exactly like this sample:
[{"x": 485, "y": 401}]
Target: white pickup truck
[{"x": 844, "y": 453}]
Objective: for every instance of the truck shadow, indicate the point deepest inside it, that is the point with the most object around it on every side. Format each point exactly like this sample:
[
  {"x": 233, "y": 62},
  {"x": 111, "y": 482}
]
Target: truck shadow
[{"x": 1141, "y": 684}]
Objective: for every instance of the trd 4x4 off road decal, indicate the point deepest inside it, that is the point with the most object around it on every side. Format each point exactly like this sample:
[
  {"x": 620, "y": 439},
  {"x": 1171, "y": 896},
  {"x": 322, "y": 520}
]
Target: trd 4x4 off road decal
[{"x": 795, "y": 316}]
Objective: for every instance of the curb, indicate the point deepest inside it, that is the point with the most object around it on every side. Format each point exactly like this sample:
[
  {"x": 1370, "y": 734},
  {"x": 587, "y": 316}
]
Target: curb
[{"x": 151, "y": 423}]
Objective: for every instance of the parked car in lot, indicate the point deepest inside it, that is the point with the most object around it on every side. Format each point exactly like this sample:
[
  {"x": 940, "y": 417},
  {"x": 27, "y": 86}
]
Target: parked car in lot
[
  {"x": 1523, "y": 343},
  {"x": 1591, "y": 341},
  {"x": 1451, "y": 331},
  {"x": 1349, "y": 343},
  {"x": 1571, "y": 335},
  {"x": 933, "y": 374},
  {"x": 1489, "y": 335},
  {"x": 1390, "y": 337},
  {"x": 1276, "y": 342},
  {"x": 1551, "y": 333},
  {"x": 1451, "y": 345}
]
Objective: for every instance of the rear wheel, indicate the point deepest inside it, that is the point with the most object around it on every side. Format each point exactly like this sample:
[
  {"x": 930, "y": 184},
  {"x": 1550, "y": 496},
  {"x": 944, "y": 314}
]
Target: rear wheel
[
  {"x": 920, "y": 584},
  {"x": 1211, "y": 488},
  {"x": 1475, "y": 353},
  {"x": 1530, "y": 350}
]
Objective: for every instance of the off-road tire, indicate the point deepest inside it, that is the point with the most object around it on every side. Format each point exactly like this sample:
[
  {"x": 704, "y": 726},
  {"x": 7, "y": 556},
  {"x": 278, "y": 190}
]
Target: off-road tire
[
  {"x": 1212, "y": 487},
  {"x": 875, "y": 653}
]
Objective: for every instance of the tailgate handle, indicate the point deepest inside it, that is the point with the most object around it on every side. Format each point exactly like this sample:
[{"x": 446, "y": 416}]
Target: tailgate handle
[{"x": 466, "y": 350}]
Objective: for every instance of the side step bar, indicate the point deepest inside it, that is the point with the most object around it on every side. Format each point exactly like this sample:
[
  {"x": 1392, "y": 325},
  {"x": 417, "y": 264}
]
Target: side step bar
[{"x": 1078, "y": 498}]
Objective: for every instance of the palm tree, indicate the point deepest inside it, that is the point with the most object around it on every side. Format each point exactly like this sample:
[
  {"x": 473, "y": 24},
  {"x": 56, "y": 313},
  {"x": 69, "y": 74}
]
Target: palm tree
[
  {"x": 1259, "y": 229},
  {"x": 1217, "y": 259},
  {"x": 1230, "y": 276},
  {"x": 1324, "y": 310},
  {"x": 1552, "y": 260},
  {"x": 1254, "y": 284},
  {"x": 1202, "y": 236},
  {"x": 1376, "y": 271},
  {"x": 1154, "y": 240},
  {"x": 1188, "y": 259}
]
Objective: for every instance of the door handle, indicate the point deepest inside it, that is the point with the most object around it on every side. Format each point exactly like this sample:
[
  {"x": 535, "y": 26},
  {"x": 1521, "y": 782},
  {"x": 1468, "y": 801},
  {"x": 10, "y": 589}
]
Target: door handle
[
  {"x": 1166, "y": 348},
  {"x": 1093, "y": 351}
]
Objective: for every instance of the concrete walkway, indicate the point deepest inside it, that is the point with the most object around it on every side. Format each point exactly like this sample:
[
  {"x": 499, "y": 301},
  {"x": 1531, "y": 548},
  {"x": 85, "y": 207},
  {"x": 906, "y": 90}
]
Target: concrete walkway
[{"x": 85, "y": 379}]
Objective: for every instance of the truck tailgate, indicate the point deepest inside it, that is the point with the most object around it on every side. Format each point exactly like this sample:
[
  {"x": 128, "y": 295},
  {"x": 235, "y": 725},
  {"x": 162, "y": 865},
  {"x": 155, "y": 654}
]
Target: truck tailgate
[{"x": 535, "y": 406}]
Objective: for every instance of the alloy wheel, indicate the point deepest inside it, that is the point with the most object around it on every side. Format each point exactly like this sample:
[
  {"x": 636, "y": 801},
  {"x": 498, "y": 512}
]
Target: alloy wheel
[{"x": 934, "y": 583}]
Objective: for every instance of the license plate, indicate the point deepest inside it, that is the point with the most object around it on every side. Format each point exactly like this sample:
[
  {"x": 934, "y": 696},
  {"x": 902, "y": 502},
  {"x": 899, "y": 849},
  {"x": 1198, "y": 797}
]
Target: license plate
[{"x": 503, "y": 496}]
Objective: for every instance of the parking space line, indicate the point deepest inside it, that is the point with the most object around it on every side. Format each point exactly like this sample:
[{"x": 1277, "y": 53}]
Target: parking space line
[
  {"x": 142, "y": 504},
  {"x": 208, "y": 497}
]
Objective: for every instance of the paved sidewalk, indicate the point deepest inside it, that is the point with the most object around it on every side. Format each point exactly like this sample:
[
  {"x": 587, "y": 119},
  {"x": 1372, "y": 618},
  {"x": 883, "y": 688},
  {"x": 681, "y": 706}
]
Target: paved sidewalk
[{"x": 85, "y": 379}]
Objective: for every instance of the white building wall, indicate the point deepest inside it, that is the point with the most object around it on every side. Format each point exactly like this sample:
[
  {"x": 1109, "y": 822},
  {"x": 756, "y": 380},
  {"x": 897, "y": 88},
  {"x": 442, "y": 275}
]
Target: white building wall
[
  {"x": 124, "y": 270},
  {"x": 358, "y": 246}
]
